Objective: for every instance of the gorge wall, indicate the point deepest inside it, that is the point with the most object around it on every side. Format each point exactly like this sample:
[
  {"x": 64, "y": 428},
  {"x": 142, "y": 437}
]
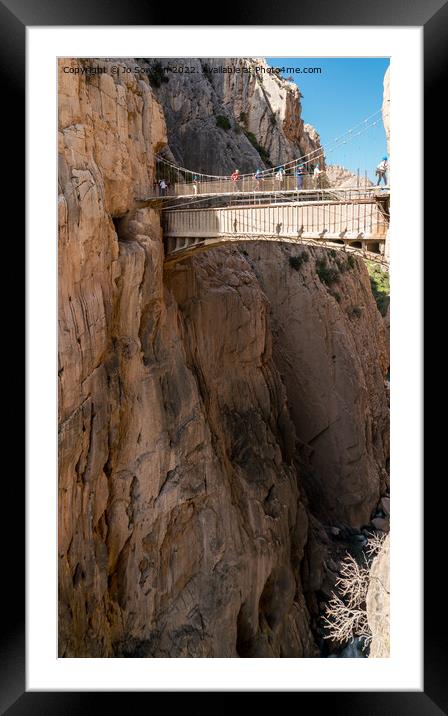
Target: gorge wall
[
  {"x": 344, "y": 178},
  {"x": 378, "y": 603},
  {"x": 212, "y": 418}
]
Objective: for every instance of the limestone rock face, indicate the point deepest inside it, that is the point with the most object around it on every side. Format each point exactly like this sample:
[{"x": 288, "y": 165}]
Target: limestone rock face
[
  {"x": 378, "y": 603},
  {"x": 253, "y": 101},
  {"x": 330, "y": 346},
  {"x": 344, "y": 178},
  {"x": 108, "y": 133},
  {"x": 182, "y": 526}
]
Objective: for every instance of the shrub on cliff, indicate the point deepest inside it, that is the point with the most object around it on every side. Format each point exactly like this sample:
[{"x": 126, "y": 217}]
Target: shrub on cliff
[
  {"x": 356, "y": 311},
  {"x": 327, "y": 274},
  {"x": 264, "y": 154},
  {"x": 157, "y": 75},
  {"x": 379, "y": 281},
  {"x": 223, "y": 122},
  {"x": 296, "y": 262}
]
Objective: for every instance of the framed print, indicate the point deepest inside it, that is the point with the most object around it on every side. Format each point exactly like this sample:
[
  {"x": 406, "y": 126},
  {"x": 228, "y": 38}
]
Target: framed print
[{"x": 224, "y": 224}]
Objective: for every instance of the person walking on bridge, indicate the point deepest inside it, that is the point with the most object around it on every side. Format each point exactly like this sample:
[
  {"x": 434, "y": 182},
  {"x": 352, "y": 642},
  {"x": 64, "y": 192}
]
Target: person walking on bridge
[
  {"x": 163, "y": 187},
  {"x": 195, "y": 184},
  {"x": 234, "y": 177},
  {"x": 279, "y": 176},
  {"x": 381, "y": 171},
  {"x": 317, "y": 176},
  {"x": 300, "y": 173},
  {"x": 258, "y": 176}
]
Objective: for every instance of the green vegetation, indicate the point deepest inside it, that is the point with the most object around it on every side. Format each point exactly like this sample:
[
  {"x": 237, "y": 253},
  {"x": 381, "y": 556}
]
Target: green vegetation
[
  {"x": 243, "y": 117},
  {"x": 343, "y": 262},
  {"x": 379, "y": 281},
  {"x": 327, "y": 274},
  {"x": 356, "y": 311},
  {"x": 156, "y": 75},
  {"x": 351, "y": 261},
  {"x": 222, "y": 122},
  {"x": 296, "y": 262},
  {"x": 261, "y": 150}
]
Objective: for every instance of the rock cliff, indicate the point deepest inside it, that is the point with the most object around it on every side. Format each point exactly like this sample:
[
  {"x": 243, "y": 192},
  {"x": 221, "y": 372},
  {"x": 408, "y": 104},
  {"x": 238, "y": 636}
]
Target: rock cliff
[
  {"x": 330, "y": 346},
  {"x": 207, "y": 414},
  {"x": 344, "y": 178},
  {"x": 378, "y": 603},
  {"x": 260, "y": 115}
]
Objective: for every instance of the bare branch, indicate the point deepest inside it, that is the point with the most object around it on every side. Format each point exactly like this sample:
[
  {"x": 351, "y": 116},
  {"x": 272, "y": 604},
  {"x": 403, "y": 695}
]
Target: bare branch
[{"x": 345, "y": 614}]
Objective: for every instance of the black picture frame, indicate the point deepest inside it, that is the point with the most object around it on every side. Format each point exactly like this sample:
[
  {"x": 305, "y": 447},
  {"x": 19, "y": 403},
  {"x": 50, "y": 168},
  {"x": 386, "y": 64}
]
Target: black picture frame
[{"x": 15, "y": 17}]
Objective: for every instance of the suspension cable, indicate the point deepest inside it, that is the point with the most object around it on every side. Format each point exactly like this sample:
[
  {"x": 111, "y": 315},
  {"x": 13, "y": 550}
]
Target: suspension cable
[{"x": 305, "y": 159}]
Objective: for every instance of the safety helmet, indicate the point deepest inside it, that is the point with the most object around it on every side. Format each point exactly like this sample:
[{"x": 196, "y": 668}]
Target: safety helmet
[{"x": 384, "y": 159}]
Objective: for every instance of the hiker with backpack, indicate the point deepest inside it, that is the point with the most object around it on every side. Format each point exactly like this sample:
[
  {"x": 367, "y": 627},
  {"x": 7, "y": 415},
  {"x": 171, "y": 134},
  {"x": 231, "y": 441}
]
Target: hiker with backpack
[
  {"x": 381, "y": 171},
  {"x": 258, "y": 176},
  {"x": 279, "y": 176},
  {"x": 300, "y": 173}
]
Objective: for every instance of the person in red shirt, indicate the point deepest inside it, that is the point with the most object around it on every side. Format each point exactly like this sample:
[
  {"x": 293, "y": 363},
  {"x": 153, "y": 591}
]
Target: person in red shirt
[{"x": 234, "y": 177}]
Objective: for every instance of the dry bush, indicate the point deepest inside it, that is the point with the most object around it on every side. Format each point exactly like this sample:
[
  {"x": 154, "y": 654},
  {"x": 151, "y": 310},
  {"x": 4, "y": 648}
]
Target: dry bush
[{"x": 346, "y": 615}]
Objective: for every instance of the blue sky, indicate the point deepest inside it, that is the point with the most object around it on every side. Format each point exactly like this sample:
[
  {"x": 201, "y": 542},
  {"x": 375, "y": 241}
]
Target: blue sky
[{"x": 346, "y": 92}]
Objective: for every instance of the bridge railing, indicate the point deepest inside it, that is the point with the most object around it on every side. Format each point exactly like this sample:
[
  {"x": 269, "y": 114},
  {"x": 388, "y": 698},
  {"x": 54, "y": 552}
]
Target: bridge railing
[
  {"x": 245, "y": 184},
  {"x": 263, "y": 188}
]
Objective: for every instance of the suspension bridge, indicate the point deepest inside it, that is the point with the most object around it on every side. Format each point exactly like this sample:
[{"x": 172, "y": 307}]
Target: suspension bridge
[{"x": 292, "y": 203}]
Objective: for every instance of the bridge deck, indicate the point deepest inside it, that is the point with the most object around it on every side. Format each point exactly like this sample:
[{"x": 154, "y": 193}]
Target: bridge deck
[{"x": 334, "y": 193}]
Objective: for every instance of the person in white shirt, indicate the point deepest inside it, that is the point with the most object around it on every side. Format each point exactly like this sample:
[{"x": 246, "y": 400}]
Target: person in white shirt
[
  {"x": 317, "y": 176},
  {"x": 279, "y": 176},
  {"x": 381, "y": 171}
]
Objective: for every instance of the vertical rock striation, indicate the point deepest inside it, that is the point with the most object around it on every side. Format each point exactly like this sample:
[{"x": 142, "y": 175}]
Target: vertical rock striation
[
  {"x": 181, "y": 525},
  {"x": 330, "y": 346}
]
